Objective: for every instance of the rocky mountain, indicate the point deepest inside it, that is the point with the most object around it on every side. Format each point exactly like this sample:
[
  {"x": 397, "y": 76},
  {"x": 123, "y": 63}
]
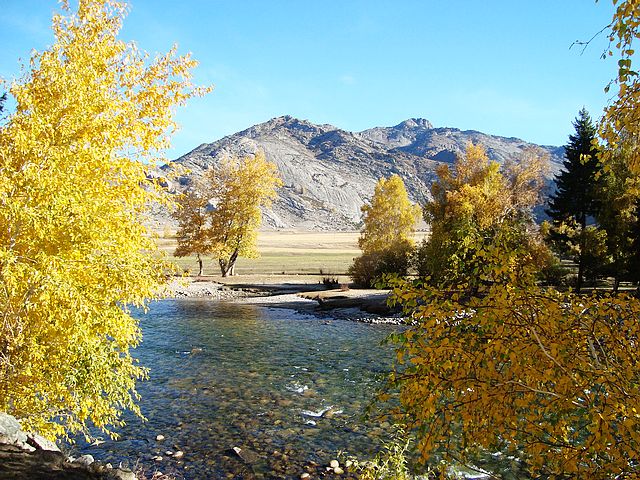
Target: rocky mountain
[{"x": 328, "y": 173}]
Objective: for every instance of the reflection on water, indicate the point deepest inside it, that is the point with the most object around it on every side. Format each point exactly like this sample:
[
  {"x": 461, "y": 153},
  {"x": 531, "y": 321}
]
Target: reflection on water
[{"x": 288, "y": 389}]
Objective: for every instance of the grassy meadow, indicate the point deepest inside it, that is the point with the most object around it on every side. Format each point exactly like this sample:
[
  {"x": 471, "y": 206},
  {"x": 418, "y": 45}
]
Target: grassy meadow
[{"x": 285, "y": 256}]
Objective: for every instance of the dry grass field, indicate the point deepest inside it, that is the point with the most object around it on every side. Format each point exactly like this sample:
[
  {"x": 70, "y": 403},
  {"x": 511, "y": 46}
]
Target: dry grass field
[{"x": 304, "y": 257}]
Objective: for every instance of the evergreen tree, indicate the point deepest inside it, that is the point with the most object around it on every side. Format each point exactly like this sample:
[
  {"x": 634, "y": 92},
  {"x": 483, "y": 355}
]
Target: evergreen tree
[{"x": 575, "y": 199}]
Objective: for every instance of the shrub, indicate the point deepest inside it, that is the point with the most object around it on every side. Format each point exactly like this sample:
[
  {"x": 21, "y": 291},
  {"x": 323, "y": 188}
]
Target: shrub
[{"x": 367, "y": 268}]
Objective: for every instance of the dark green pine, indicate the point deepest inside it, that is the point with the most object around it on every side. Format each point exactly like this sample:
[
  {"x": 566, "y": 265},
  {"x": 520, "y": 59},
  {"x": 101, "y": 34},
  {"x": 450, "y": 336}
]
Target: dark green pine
[{"x": 575, "y": 196}]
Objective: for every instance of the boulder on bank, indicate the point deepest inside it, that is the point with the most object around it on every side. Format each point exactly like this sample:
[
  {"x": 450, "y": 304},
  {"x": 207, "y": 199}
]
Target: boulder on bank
[{"x": 28, "y": 456}]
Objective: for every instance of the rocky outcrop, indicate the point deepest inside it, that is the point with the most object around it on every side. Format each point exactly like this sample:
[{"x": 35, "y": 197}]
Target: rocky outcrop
[
  {"x": 28, "y": 456},
  {"x": 329, "y": 173}
]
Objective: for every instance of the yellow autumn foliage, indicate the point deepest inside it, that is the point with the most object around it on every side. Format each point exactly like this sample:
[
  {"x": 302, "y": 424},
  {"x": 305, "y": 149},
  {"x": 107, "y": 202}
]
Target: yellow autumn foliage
[
  {"x": 481, "y": 217},
  {"x": 92, "y": 114},
  {"x": 192, "y": 234},
  {"x": 390, "y": 218},
  {"x": 547, "y": 381},
  {"x": 238, "y": 188},
  {"x": 386, "y": 239},
  {"x": 549, "y": 378},
  {"x": 620, "y": 124}
]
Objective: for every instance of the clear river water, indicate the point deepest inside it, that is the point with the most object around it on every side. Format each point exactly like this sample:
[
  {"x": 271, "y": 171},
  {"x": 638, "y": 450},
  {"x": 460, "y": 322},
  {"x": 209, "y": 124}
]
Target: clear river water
[{"x": 288, "y": 389}]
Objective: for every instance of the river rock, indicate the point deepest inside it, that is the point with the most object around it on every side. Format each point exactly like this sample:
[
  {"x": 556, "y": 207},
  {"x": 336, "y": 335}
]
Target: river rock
[
  {"x": 334, "y": 464},
  {"x": 10, "y": 430},
  {"x": 41, "y": 443},
  {"x": 247, "y": 456},
  {"x": 84, "y": 460},
  {"x": 119, "y": 474}
]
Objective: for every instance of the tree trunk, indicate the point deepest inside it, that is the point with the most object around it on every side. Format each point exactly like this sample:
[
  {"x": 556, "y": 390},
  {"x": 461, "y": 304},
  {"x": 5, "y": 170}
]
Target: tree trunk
[
  {"x": 583, "y": 225},
  {"x": 616, "y": 283},
  {"x": 232, "y": 263},
  {"x": 224, "y": 270},
  {"x": 227, "y": 267},
  {"x": 200, "y": 265}
]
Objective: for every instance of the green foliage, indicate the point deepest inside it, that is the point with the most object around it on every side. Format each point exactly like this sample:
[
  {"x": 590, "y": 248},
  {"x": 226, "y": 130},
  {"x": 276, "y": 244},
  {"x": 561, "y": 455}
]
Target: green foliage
[
  {"x": 576, "y": 196},
  {"x": 576, "y": 200},
  {"x": 369, "y": 267},
  {"x": 619, "y": 194},
  {"x": 389, "y": 464},
  {"x": 588, "y": 246}
]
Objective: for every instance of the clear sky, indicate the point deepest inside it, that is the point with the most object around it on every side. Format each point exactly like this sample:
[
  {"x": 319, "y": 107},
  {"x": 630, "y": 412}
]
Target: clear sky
[{"x": 503, "y": 67}]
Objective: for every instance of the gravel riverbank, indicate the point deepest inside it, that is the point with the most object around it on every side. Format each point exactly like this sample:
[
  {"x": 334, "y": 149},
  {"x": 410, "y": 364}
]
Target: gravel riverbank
[{"x": 367, "y": 306}]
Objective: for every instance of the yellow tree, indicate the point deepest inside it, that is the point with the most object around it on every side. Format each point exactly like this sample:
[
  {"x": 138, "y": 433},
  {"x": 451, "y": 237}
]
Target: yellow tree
[
  {"x": 91, "y": 114},
  {"x": 238, "y": 190},
  {"x": 621, "y": 121},
  {"x": 192, "y": 234},
  {"x": 386, "y": 239},
  {"x": 547, "y": 379},
  {"x": 481, "y": 214},
  {"x": 390, "y": 218}
]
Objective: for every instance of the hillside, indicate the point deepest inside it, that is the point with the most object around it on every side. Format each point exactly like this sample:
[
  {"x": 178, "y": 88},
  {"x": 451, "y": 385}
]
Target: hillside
[{"x": 329, "y": 173}]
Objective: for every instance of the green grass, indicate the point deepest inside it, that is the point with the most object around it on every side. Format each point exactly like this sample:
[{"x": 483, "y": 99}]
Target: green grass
[
  {"x": 284, "y": 253},
  {"x": 278, "y": 263},
  {"x": 315, "y": 254}
]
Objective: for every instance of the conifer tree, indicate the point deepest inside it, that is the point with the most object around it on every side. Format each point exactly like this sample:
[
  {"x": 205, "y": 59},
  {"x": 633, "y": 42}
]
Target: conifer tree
[{"x": 575, "y": 199}]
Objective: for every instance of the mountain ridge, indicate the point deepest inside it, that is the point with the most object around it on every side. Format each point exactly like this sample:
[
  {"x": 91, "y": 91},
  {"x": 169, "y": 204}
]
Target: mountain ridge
[{"x": 329, "y": 173}]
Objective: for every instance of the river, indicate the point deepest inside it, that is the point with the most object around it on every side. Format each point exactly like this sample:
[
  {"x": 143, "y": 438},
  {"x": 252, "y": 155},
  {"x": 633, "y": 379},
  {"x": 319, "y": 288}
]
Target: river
[{"x": 289, "y": 390}]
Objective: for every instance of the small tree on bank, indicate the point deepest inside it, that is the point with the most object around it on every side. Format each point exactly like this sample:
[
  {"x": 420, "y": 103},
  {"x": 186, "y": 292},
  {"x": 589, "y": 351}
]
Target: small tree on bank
[
  {"x": 238, "y": 189},
  {"x": 192, "y": 236},
  {"x": 386, "y": 239},
  {"x": 481, "y": 216}
]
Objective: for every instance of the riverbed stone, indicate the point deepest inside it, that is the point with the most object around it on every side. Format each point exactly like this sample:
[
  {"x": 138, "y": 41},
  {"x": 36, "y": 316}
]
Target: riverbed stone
[
  {"x": 41, "y": 443},
  {"x": 120, "y": 474},
  {"x": 10, "y": 430},
  {"x": 85, "y": 460}
]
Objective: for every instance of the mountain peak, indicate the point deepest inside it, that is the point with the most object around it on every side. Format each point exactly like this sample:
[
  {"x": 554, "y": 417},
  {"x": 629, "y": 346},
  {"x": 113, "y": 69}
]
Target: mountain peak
[
  {"x": 412, "y": 123},
  {"x": 329, "y": 173}
]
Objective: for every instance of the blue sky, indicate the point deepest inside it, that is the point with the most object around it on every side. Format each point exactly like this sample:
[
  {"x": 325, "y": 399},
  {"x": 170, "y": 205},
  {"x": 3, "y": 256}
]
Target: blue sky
[{"x": 503, "y": 67}]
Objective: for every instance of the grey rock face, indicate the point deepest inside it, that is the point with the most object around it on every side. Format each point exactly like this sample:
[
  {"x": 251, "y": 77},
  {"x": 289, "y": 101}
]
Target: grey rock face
[
  {"x": 28, "y": 456},
  {"x": 329, "y": 173},
  {"x": 10, "y": 430}
]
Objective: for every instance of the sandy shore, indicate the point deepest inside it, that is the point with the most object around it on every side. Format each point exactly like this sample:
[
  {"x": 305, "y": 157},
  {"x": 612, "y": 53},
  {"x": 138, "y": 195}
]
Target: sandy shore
[{"x": 367, "y": 306}]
